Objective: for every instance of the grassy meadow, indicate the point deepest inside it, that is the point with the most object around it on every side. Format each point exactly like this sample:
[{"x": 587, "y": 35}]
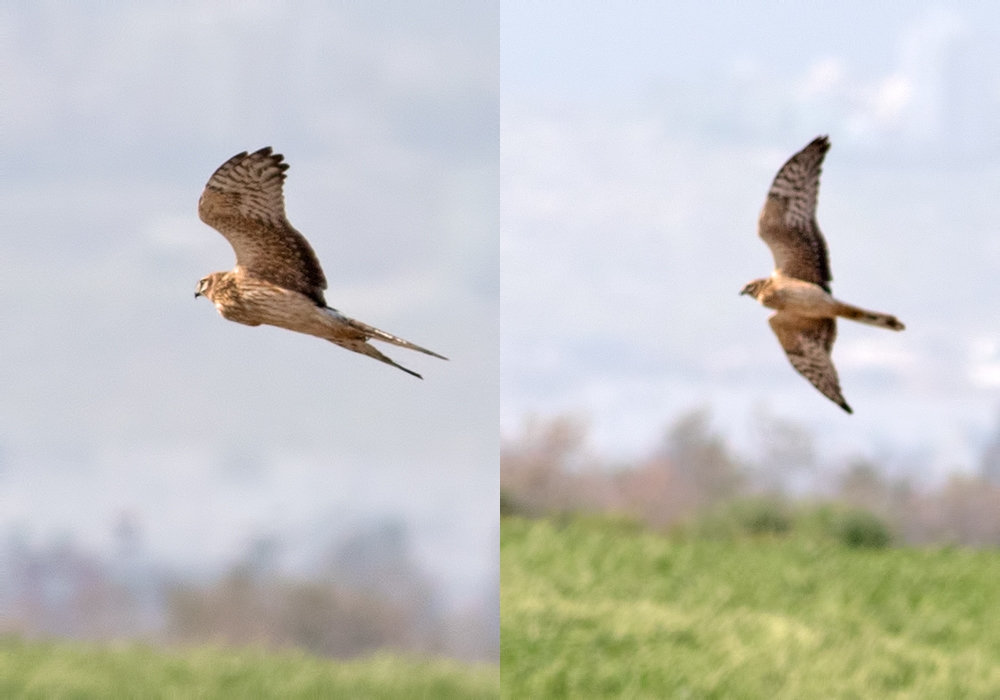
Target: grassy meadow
[
  {"x": 51, "y": 671},
  {"x": 601, "y": 608}
]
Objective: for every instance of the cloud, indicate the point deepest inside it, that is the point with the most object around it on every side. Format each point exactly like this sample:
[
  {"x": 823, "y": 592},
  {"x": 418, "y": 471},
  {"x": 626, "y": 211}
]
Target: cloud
[
  {"x": 906, "y": 103},
  {"x": 883, "y": 353},
  {"x": 89, "y": 86},
  {"x": 892, "y": 96},
  {"x": 825, "y": 78},
  {"x": 984, "y": 362}
]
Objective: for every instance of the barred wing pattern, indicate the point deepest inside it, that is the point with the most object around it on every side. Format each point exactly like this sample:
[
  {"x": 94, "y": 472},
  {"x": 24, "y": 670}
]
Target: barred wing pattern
[
  {"x": 788, "y": 220},
  {"x": 243, "y": 200},
  {"x": 808, "y": 342}
]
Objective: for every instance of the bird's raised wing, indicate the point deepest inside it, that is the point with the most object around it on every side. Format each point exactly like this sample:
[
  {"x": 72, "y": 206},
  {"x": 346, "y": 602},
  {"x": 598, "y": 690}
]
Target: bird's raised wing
[
  {"x": 243, "y": 201},
  {"x": 788, "y": 221},
  {"x": 808, "y": 342}
]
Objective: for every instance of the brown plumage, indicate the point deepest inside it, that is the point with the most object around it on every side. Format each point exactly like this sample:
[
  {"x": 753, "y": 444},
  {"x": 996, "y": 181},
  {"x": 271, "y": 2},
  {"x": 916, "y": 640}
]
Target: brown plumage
[
  {"x": 799, "y": 288},
  {"x": 277, "y": 280}
]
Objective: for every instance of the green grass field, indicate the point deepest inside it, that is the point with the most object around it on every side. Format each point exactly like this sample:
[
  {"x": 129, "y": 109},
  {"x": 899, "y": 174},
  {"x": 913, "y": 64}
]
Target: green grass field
[
  {"x": 61, "y": 671},
  {"x": 599, "y": 609}
]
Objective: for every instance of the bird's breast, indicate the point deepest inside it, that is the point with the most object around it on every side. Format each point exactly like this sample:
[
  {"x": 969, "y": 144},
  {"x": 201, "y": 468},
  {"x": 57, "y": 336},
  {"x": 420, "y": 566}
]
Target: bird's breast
[
  {"x": 805, "y": 298},
  {"x": 236, "y": 310}
]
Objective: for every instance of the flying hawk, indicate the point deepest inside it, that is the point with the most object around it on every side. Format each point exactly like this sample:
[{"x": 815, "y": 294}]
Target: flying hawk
[
  {"x": 799, "y": 288},
  {"x": 277, "y": 279}
]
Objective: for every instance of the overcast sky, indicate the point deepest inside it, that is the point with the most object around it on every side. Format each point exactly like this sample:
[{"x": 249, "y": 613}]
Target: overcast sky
[
  {"x": 121, "y": 393},
  {"x": 638, "y": 141},
  {"x": 594, "y": 269}
]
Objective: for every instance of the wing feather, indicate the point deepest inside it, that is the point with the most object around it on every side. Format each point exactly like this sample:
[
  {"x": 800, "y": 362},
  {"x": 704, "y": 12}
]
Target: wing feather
[
  {"x": 788, "y": 220},
  {"x": 808, "y": 342},
  {"x": 243, "y": 200}
]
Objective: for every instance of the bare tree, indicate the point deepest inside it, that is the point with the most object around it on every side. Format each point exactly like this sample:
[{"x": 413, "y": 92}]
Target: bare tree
[
  {"x": 787, "y": 452},
  {"x": 701, "y": 460},
  {"x": 541, "y": 470}
]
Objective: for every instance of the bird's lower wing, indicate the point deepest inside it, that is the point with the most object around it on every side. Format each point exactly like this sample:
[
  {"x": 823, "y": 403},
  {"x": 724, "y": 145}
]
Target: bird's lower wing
[{"x": 807, "y": 342}]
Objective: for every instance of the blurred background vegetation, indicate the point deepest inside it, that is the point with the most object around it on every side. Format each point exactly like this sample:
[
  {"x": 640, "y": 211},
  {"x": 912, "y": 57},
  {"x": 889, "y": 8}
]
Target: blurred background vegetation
[
  {"x": 697, "y": 571},
  {"x": 696, "y": 483},
  {"x": 362, "y": 592}
]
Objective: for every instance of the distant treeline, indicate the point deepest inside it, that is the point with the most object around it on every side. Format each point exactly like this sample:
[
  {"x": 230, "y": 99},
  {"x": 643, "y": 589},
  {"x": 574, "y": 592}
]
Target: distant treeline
[
  {"x": 548, "y": 469},
  {"x": 365, "y": 595}
]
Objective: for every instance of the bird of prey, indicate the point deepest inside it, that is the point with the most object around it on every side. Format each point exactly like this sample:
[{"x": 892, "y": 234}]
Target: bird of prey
[
  {"x": 799, "y": 288},
  {"x": 277, "y": 279}
]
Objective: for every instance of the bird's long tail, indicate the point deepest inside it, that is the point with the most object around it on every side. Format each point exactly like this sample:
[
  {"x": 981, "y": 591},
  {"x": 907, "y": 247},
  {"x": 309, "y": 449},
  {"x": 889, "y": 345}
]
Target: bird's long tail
[
  {"x": 872, "y": 318},
  {"x": 354, "y": 335},
  {"x": 364, "y": 348},
  {"x": 376, "y": 334}
]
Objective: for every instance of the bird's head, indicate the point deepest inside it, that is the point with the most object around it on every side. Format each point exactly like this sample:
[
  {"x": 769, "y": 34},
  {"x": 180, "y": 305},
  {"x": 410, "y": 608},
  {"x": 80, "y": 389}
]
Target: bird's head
[
  {"x": 206, "y": 286},
  {"x": 755, "y": 288}
]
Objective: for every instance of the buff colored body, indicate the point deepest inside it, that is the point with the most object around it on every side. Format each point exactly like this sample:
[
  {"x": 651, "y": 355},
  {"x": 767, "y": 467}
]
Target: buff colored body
[
  {"x": 808, "y": 300},
  {"x": 253, "y": 302}
]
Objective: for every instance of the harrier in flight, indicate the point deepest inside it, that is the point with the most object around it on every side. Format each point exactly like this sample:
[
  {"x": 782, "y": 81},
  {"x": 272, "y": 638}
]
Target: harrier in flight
[
  {"x": 805, "y": 318},
  {"x": 277, "y": 279}
]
